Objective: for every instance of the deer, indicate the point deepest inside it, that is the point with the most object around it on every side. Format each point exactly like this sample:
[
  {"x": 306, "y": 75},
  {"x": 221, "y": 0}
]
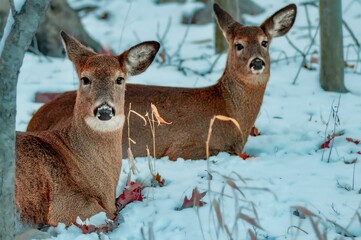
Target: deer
[
  {"x": 73, "y": 170},
  {"x": 237, "y": 94}
]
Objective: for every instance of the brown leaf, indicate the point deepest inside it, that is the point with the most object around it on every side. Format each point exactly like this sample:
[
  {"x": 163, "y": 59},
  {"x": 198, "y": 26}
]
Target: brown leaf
[
  {"x": 353, "y": 161},
  {"x": 194, "y": 201},
  {"x": 314, "y": 60},
  {"x": 158, "y": 179},
  {"x": 243, "y": 155}
]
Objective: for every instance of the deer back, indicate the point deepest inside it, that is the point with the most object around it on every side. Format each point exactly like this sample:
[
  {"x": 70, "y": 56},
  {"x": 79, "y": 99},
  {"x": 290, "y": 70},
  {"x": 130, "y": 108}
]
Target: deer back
[{"x": 237, "y": 94}]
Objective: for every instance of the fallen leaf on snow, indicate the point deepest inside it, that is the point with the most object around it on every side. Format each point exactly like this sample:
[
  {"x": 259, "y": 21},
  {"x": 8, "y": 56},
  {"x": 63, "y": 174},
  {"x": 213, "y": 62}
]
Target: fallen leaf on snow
[
  {"x": 132, "y": 193},
  {"x": 158, "y": 179},
  {"x": 355, "y": 141},
  {"x": 194, "y": 201},
  {"x": 243, "y": 155}
]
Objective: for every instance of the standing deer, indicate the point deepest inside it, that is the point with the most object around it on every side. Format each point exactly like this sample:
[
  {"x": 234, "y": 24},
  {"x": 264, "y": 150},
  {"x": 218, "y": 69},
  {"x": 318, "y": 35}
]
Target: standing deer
[
  {"x": 74, "y": 170},
  {"x": 237, "y": 94}
]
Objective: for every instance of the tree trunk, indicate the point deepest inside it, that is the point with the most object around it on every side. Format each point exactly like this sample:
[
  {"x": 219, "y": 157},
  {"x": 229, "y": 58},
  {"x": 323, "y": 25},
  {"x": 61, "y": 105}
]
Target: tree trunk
[
  {"x": 22, "y": 30},
  {"x": 332, "y": 63}
]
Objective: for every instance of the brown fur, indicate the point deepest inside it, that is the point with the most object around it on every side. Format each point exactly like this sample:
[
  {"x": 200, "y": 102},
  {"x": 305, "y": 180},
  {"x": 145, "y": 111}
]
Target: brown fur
[
  {"x": 74, "y": 170},
  {"x": 237, "y": 94}
]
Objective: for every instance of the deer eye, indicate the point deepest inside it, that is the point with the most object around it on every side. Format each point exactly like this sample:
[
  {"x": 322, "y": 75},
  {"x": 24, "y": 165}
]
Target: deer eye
[
  {"x": 239, "y": 46},
  {"x": 85, "y": 80},
  {"x": 120, "y": 80},
  {"x": 264, "y": 44}
]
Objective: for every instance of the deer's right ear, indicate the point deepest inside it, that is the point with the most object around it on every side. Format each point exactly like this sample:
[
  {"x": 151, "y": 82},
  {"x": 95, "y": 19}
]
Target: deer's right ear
[
  {"x": 76, "y": 52},
  {"x": 224, "y": 20},
  {"x": 138, "y": 58}
]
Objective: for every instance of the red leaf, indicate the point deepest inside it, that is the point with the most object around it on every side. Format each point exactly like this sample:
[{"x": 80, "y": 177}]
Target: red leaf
[
  {"x": 254, "y": 132},
  {"x": 132, "y": 193},
  {"x": 359, "y": 152},
  {"x": 326, "y": 144},
  {"x": 355, "y": 141},
  {"x": 194, "y": 201},
  {"x": 104, "y": 228},
  {"x": 243, "y": 155}
]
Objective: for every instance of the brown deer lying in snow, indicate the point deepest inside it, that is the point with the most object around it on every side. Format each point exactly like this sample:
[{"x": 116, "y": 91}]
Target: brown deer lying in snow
[
  {"x": 74, "y": 170},
  {"x": 237, "y": 94}
]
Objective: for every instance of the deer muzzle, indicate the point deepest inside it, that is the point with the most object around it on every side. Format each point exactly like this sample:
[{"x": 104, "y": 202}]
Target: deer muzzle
[
  {"x": 104, "y": 112},
  {"x": 257, "y": 66}
]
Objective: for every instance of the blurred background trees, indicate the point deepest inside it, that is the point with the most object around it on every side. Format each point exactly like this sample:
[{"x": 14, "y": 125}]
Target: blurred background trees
[{"x": 331, "y": 44}]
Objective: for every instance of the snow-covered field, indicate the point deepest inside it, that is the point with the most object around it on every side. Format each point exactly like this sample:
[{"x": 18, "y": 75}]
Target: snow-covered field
[{"x": 285, "y": 168}]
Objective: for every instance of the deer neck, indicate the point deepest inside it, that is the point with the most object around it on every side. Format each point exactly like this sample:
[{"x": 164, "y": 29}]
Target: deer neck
[
  {"x": 243, "y": 100},
  {"x": 97, "y": 157}
]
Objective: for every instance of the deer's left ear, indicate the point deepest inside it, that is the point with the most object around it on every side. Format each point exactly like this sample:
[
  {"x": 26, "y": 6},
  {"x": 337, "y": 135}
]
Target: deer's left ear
[
  {"x": 77, "y": 52},
  {"x": 138, "y": 58},
  {"x": 281, "y": 22}
]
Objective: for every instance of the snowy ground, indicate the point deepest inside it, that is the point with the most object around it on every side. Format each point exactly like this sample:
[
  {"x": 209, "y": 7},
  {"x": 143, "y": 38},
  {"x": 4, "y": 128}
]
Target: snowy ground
[{"x": 285, "y": 168}]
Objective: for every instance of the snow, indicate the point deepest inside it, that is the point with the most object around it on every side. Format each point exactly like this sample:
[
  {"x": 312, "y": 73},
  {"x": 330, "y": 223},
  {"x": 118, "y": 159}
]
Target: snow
[{"x": 285, "y": 168}]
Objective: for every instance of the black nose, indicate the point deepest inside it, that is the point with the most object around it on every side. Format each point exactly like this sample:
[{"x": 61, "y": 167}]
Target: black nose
[
  {"x": 257, "y": 64},
  {"x": 104, "y": 112}
]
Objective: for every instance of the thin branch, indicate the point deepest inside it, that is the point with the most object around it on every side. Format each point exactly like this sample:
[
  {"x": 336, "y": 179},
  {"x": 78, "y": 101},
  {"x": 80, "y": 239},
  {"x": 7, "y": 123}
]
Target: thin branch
[
  {"x": 304, "y": 55},
  {"x": 351, "y": 33}
]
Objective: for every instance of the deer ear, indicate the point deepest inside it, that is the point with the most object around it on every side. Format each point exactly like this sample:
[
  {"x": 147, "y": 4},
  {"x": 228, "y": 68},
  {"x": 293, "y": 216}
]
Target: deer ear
[
  {"x": 139, "y": 57},
  {"x": 76, "y": 52},
  {"x": 224, "y": 20},
  {"x": 281, "y": 22}
]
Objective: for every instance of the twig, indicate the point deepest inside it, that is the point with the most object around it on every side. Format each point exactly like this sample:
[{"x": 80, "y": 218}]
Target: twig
[
  {"x": 124, "y": 24},
  {"x": 304, "y": 55},
  {"x": 351, "y": 33},
  {"x": 334, "y": 126}
]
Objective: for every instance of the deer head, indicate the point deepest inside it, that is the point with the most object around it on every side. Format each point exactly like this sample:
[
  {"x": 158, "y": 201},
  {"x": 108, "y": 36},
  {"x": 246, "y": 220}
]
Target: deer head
[
  {"x": 100, "y": 97},
  {"x": 248, "y": 55}
]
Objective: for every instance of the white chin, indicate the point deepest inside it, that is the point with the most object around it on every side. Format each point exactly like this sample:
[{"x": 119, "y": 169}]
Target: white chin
[
  {"x": 257, "y": 72},
  {"x": 105, "y": 126}
]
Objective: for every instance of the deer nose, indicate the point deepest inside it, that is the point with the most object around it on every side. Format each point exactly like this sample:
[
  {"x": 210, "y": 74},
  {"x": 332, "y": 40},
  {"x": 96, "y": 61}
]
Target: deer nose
[
  {"x": 257, "y": 64},
  {"x": 104, "y": 112}
]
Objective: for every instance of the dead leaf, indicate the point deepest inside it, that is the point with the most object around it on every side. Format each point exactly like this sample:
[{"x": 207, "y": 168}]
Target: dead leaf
[
  {"x": 326, "y": 144},
  {"x": 160, "y": 120},
  {"x": 355, "y": 141},
  {"x": 133, "y": 192},
  {"x": 104, "y": 228},
  {"x": 314, "y": 60},
  {"x": 353, "y": 161},
  {"x": 194, "y": 201},
  {"x": 104, "y": 16},
  {"x": 243, "y": 155},
  {"x": 158, "y": 179}
]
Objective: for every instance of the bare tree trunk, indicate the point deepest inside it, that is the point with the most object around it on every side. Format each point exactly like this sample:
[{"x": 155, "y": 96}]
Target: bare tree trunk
[
  {"x": 332, "y": 63},
  {"x": 22, "y": 30}
]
